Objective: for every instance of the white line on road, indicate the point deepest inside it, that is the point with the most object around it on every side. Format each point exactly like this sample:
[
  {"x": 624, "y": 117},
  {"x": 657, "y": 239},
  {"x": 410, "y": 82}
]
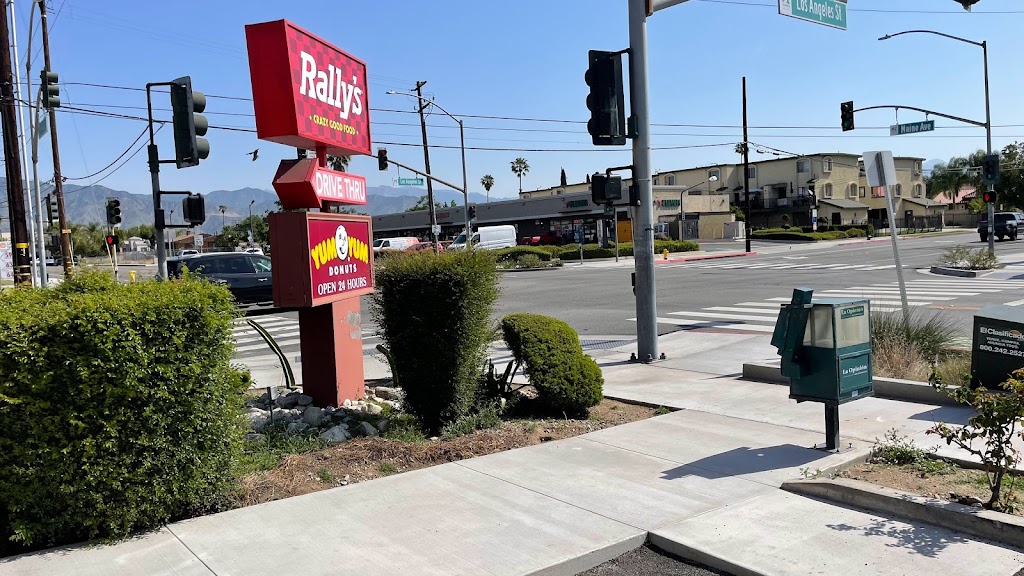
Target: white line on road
[
  {"x": 1015, "y": 303},
  {"x": 765, "y": 311},
  {"x": 718, "y": 315}
]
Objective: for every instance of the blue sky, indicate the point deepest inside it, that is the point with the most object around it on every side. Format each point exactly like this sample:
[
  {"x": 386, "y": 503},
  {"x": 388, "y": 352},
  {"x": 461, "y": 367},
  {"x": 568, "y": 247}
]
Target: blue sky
[{"x": 526, "y": 59}]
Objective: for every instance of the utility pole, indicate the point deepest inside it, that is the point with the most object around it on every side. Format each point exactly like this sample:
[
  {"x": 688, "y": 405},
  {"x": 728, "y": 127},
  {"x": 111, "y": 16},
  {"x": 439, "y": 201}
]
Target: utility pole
[
  {"x": 58, "y": 183},
  {"x": 12, "y": 157},
  {"x": 426, "y": 163},
  {"x": 988, "y": 148},
  {"x": 35, "y": 235},
  {"x": 746, "y": 166}
]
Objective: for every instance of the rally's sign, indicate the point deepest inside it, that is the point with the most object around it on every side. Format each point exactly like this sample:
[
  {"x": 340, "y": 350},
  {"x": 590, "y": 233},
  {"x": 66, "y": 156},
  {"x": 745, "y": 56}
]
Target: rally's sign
[
  {"x": 306, "y": 92},
  {"x": 320, "y": 257},
  {"x": 305, "y": 184}
]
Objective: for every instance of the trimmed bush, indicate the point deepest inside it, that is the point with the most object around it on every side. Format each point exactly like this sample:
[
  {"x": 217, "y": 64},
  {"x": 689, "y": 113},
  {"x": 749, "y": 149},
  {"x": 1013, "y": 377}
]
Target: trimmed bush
[
  {"x": 119, "y": 410},
  {"x": 799, "y": 236},
  {"x": 566, "y": 380},
  {"x": 675, "y": 246},
  {"x": 513, "y": 254},
  {"x": 550, "y": 249},
  {"x": 855, "y": 233},
  {"x": 435, "y": 318},
  {"x": 529, "y": 261}
]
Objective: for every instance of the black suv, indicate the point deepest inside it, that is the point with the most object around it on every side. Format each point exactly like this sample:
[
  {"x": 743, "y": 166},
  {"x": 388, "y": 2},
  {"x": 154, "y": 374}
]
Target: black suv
[
  {"x": 1006, "y": 226},
  {"x": 247, "y": 276}
]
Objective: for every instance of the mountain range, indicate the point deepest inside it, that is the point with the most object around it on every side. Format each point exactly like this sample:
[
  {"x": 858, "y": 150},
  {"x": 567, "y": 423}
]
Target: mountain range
[{"x": 87, "y": 204}]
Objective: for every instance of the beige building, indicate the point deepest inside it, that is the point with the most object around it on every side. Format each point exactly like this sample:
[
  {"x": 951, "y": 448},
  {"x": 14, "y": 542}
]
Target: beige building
[{"x": 788, "y": 190}]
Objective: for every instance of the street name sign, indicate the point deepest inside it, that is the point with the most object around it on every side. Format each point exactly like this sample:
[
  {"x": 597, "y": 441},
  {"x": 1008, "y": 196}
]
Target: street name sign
[
  {"x": 410, "y": 181},
  {"x": 911, "y": 128},
  {"x": 826, "y": 12}
]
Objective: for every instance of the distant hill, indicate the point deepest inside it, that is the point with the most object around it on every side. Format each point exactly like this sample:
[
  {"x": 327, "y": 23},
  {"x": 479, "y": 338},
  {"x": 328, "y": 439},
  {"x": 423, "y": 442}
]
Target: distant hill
[{"x": 85, "y": 204}]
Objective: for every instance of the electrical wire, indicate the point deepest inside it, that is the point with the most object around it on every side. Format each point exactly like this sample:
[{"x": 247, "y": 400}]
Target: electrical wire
[
  {"x": 877, "y": 10},
  {"x": 100, "y": 171}
]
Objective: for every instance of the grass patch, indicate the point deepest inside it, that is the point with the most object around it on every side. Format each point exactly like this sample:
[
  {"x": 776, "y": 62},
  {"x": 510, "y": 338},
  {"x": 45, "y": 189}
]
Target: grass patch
[
  {"x": 898, "y": 450},
  {"x": 387, "y": 468},
  {"x": 326, "y": 476},
  {"x": 404, "y": 428},
  {"x": 267, "y": 452},
  {"x": 486, "y": 417},
  {"x": 661, "y": 411}
]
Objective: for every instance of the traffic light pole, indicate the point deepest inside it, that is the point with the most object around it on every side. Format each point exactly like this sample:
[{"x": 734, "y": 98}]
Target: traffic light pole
[
  {"x": 58, "y": 181},
  {"x": 154, "y": 171}
]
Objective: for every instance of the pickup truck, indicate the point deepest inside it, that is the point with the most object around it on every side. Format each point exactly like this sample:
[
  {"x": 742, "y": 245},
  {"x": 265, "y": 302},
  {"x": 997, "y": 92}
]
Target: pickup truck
[{"x": 1006, "y": 226}]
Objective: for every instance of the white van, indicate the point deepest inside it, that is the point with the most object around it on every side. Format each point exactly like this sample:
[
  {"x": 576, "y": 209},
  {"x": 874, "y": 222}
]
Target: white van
[
  {"x": 393, "y": 243},
  {"x": 488, "y": 238}
]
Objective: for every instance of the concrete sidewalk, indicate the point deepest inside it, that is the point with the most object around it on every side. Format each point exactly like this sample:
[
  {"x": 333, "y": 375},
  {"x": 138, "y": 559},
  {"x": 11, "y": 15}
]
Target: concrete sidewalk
[{"x": 702, "y": 482}]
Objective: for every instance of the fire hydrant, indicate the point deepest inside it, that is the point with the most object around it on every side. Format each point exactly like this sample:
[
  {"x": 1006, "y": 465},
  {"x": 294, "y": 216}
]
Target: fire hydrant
[
  {"x": 131, "y": 276},
  {"x": 664, "y": 253}
]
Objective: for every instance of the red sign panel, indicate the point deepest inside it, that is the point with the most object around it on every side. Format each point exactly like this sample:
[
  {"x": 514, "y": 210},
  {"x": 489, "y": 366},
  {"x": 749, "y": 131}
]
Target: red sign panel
[
  {"x": 320, "y": 257},
  {"x": 305, "y": 91},
  {"x": 304, "y": 184}
]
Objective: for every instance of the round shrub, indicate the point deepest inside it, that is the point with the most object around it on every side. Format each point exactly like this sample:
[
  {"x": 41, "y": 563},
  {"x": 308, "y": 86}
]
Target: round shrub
[
  {"x": 855, "y": 233},
  {"x": 529, "y": 261},
  {"x": 566, "y": 380},
  {"x": 119, "y": 409}
]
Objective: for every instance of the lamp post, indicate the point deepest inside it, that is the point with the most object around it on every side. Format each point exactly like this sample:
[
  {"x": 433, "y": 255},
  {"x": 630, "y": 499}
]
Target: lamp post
[
  {"x": 988, "y": 113},
  {"x": 462, "y": 146},
  {"x": 682, "y": 212},
  {"x": 251, "y": 202}
]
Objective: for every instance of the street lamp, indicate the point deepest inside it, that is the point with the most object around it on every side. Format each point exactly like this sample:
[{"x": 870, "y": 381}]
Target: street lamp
[
  {"x": 988, "y": 111},
  {"x": 462, "y": 145},
  {"x": 682, "y": 212},
  {"x": 251, "y": 202}
]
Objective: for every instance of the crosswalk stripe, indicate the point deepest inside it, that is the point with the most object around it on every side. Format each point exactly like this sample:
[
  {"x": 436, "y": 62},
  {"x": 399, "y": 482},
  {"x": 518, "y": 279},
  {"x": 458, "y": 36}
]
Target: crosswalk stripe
[
  {"x": 759, "y": 305},
  {"x": 874, "y": 294},
  {"x": 718, "y": 315},
  {"x": 262, "y": 345},
  {"x": 978, "y": 282},
  {"x": 260, "y": 338},
  {"x": 723, "y": 324},
  {"x": 873, "y": 300},
  {"x": 886, "y": 267},
  {"x": 1015, "y": 303},
  {"x": 765, "y": 311}
]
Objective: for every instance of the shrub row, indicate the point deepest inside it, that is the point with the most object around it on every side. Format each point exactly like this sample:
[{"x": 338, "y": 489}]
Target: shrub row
[
  {"x": 119, "y": 409},
  {"x": 798, "y": 236},
  {"x": 566, "y": 379},
  {"x": 572, "y": 252},
  {"x": 513, "y": 254}
]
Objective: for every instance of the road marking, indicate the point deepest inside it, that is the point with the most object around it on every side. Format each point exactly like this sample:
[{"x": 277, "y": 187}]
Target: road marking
[
  {"x": 281, "y": 343},
  {"x": 1015, "y": 303},
  {"x": 952, "y": 307},
  {"x": 766, "y": 311},
  {"x": 717, "y": 315},
  {"x": 713, "y": 324},
  {"x": 795, "y": 257}
]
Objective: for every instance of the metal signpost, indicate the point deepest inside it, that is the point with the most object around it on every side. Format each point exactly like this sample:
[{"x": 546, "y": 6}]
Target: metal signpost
[
  {"x": 880, "y": 170},
  {"x": 912, "y": 128},
  {"x": 826, "y": 12}
]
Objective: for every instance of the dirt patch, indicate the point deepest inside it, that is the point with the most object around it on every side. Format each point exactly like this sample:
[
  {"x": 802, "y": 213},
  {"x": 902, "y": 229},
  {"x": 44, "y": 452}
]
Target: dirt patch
[
  {"x": 368, "y": 458},
  {"x": 963, "y": 483}
]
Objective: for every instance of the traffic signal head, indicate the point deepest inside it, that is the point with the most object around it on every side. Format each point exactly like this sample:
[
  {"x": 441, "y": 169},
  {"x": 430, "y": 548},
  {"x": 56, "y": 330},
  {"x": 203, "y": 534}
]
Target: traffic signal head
[
  {"x": 605, "y": 189},
  {"x": 51, "y": 211},
  {"x": 382, "y": 159},
  {"x": 989, "y": 197},
  {"x": 48, "y": 89},
  {"x": 846, "y": 115},
  {"x": 113, "y": 212},
  {"x": 189, "y": 124},
  {"x": 472, "y": 212},
  {"x": 607, "y": 125},
  {"x": 990, "y": 169},
  {"x": 111, "y": 240},
  {"x": 193, "y": 209}
]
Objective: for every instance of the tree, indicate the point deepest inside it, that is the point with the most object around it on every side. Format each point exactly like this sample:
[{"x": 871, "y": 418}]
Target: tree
[
  {"x": 487, "y": 182},
  {"x": 237, "y": 234},
  {"x": 422, "y": 204},
  {"x": 223, "y": 219},
  {"x": 977, "y": 205},
  {"x": 520, "y": 168},
  {"x": 564, "y": 181},
  {"x": 955, "y": 175},
  {"x": 1011, "y": 176},
  {"x": 339, "y": 163},
  {"x": 588, "y": 178}
]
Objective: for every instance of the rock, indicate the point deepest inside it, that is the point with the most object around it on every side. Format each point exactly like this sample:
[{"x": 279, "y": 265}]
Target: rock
[
  {"x": 287, "y": 415},
  {"x": 383, "y": 425},
  {"x": 253, "y": 437},
  {"x": 297, "y": 427},
  {"x": 313, "y": 416},
  {"x": 257, "y": 418},
  {"x": 386, "y": 393},
  {"x": 373, "y": 409},
  {"x": 366, "y": 429},
  {"x": 393, "y": 404},
  {"x": 435, "y": 438},
  {"x": 289, "y": 401},
  {"x": 347, "y": 403},
  {"x": 305, "y": 400},
  {"x": 335, "y": 435}
]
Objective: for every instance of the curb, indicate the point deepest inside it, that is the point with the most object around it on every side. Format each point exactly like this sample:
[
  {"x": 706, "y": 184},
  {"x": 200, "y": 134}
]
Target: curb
[
  {"x": 699, "y": 556},
  {"x": 995, "y": 526},
  {"x": 706, "y": 257},
  {"x": 529, "y": 269},
  {"x": 889, "y": 388},
  {"x": 943, "y": 271}
]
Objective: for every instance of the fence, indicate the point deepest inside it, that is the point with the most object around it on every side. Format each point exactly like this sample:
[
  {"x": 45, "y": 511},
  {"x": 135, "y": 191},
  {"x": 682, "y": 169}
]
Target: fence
[
  {"x": 929, "y": 223},
  {"x": 962, "y": 219}
]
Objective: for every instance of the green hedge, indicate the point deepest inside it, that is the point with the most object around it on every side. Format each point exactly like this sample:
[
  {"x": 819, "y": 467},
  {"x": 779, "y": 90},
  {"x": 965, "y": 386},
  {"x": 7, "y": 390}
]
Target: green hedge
[
  {"x": 119, "y": 410},
  {"x": 675, "y": 246},
  {"x": 798, "y": 236},
  {"x": 856, "y": 233},
  {"x": 434, "y": 314},
  {"x": 572, "y": 251},
  {"x": 566, "y": 380},
  {"x": 513, "y": 254}
]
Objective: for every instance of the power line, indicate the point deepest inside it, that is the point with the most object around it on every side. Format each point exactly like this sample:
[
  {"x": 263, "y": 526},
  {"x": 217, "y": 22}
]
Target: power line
[
  {"x": 126, "y": 150},
  {"x": 878, "y": 10}
]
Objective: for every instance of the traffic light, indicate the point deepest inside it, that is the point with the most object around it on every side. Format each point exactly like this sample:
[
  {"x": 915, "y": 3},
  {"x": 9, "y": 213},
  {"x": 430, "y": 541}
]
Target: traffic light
[
  {"x": 113, "y": 212},
  {"x": 189, "y": 124},
  {"x": 989, "y": 197},
  {"x": 51, "y": 210},
  {"x": 382, "y": 159},
  {"x": 472, "y": 212},
  {"x": 112, "y": 240},
  {"x": 607, "y": 125},
  {"x": 605, "y": 189},
  {"x": 48, "y": 89},
  {"x": 193, "y": 209},
  {"x": 846, "y": 114},
  {"x": 990, "y": 169}
]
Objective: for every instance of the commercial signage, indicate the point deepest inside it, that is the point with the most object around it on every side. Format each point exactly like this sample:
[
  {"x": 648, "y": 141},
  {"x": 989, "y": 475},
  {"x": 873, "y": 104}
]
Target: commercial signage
[
  {"x": 322, "y": 257},
  {"x": 668, "y": 203},
  {"x": 305, "y": 184},
  {"x": 911, "y": 128},
  {"x": 575, "y": 204},
  {"x": 305, "y": 91},
  {"x": 851, "y": 312},
  {"x": 827, "y": 12},
  {"x": 998, "y": 345}
]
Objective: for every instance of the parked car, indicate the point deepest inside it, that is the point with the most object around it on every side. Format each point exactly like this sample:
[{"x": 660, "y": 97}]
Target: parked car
[
  {"x": 254, "y": 250},
  {"x": 424, "y": 247},
  {"x": 1006, "y": 225},
  {"x": 488, "y": 238},
  {"x": 400, "y": 243},
  {"x": 189, "y": 253},
  {"x": 247, "y": 276}
]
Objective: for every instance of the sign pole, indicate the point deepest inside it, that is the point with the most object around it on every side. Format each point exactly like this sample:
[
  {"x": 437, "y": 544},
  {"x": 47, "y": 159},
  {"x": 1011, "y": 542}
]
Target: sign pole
[{"x": 895, "y": 247}]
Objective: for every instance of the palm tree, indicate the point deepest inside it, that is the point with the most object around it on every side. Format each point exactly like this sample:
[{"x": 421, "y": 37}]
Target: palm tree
[
  {"x": 520, "y": 167},
  {"x": 223, "y": 219},
  {"x": 487, "y": 182},
  {"x": 339, "y": 163},
  {"x": 952, "y": 176},
  {"x": 563, "y": 180}
]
